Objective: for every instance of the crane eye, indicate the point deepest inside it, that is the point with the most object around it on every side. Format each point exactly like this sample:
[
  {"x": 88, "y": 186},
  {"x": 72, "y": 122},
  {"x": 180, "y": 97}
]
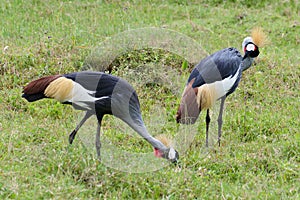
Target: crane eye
[{"x": 250, "y": 47}]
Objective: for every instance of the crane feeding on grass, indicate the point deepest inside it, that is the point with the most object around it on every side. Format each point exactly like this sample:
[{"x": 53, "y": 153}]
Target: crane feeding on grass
[
  {"x": 216, "y": 77},
  {"x": 98, "y": 94}
]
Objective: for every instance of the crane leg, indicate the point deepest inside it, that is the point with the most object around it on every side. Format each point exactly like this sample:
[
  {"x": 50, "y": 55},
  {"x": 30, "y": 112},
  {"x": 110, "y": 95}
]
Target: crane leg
[
  {"x": 98, "y": 142},
  {"x": 220, "y": 119},
  {"x": 72, "y": 135},
  {"x": 207, "y": 126}
]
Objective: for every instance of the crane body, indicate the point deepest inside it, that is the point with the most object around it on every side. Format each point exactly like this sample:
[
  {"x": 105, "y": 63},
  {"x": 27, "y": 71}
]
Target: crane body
[
  {"x": 214, "y": 78},
  {"x": 98, "y": 94}
]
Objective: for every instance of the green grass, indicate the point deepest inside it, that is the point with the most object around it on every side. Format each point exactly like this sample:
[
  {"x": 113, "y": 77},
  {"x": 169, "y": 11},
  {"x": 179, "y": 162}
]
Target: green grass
[{"x": 259, "y": 155}]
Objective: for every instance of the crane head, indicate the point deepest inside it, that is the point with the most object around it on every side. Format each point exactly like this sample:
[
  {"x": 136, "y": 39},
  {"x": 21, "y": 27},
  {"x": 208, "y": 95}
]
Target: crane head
[
  {"x": 251, "y": 50},
  {"x": 250, "y": 44},
  {"x": 170, "y": 154}
]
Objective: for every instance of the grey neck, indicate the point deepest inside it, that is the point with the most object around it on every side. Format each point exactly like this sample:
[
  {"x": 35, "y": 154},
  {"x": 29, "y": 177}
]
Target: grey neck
[
  {"x": 142, "y": 131},
  {"x": 246, "y": 63}
]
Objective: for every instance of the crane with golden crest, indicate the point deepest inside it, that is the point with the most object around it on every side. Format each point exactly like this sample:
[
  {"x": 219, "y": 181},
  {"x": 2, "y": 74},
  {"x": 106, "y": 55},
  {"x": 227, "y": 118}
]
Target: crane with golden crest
[
  {"x": 98, "y": 94},
  {"x": 216, "y": 77}
]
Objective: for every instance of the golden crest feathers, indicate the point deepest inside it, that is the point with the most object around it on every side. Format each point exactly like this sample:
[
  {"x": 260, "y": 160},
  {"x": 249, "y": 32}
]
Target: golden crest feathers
[
  {"x": 165, "y": 140},
  {"x": 259, "y": 37}
]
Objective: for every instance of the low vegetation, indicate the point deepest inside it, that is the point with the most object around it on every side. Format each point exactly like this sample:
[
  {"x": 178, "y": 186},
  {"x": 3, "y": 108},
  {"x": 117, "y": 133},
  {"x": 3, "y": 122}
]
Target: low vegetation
[{"x": 259, "y": 153}]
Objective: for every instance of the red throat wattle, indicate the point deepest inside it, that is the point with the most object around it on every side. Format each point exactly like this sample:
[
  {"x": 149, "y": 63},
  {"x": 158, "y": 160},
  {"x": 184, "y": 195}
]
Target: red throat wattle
[{"x": 157, "y": 153}]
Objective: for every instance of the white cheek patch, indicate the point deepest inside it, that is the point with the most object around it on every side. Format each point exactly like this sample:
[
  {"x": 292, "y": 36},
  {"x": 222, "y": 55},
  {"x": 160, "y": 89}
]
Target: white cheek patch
[
  {"x": 250, "y": 47},
  {"x": 172, "y": 154}
]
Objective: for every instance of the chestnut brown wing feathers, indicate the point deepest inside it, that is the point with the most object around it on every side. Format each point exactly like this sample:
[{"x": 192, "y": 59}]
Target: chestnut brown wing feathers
[{"x": 39, "y": 85}]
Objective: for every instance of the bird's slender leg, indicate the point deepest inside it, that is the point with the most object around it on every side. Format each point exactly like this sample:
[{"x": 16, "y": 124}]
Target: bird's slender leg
[
  {"x": 98, "y": 142},
  {"x": 220, "y": 119},
  {"x": 207, "y": 126},
  {"x": 87, "y": 115}
]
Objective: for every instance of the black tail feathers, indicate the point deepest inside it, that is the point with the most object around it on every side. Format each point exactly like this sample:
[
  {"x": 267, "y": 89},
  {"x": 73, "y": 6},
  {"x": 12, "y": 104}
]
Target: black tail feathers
[{"x": 33, "y": 97}]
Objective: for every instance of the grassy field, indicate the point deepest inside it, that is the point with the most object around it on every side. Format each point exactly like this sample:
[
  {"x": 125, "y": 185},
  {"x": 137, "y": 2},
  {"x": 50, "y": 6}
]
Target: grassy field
[{"x": 259, "y": 155}]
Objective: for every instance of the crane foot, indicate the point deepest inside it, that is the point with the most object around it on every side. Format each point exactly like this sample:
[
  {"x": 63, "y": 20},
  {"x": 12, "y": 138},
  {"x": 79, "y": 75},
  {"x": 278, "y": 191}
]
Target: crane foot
[{"x": 72, "y": 136}]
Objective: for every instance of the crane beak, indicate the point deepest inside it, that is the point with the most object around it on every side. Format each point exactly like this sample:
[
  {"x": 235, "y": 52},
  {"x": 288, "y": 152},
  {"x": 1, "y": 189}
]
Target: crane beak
[
  {"x": 170, "y": 154},
  {"x": 246, "y": 55}
]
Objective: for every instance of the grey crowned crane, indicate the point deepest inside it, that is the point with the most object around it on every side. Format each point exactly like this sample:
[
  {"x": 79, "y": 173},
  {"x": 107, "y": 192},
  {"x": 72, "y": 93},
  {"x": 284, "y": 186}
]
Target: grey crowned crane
[
  {"x": 216, "y": 77},
  {"x": 98, "y": 94}
]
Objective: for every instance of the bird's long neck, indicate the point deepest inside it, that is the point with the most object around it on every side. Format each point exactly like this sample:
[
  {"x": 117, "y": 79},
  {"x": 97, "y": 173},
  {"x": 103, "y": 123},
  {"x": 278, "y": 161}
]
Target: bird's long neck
[
  {"x": 125, "y": 105},
  {"x": 141, "y": 129},
  {"x": 136, "y": 123},
  {"x": 246, "y": 63}
]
